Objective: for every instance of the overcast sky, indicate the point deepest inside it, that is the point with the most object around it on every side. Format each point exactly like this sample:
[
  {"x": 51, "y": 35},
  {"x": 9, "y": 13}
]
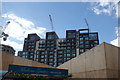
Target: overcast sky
[{"x": 32, "y": 17}]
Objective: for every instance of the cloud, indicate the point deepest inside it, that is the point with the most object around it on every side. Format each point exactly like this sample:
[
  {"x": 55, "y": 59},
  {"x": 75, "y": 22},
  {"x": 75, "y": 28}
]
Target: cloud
[
  {"x": 18, "y": 29},
  {"x": 105, "y": 7},
  {"x": 116, "y": 41},
  {"x": 14, "y": 44}
]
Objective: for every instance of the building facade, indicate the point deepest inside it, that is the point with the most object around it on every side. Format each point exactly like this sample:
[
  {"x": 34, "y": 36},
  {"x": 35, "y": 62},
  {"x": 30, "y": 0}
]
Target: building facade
[
  {"x": 7, "y": 49},
  {"x": 55, "y": 51}
]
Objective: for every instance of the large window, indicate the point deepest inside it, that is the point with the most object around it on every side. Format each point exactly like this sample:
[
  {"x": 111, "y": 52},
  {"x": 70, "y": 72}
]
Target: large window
[
  {"x": 71, "y": 35},
  {"x": 50, "y": 59},
  {"x": 81, "y": 46},
  {"x": 81, "y": 50},
  {"x": 92, "y": 36},
  {"x": 50, "y": 36}
]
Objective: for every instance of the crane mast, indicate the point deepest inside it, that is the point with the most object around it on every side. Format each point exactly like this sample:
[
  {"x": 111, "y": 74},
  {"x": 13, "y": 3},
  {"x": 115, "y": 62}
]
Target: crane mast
[{"x": 52, "y": 27}]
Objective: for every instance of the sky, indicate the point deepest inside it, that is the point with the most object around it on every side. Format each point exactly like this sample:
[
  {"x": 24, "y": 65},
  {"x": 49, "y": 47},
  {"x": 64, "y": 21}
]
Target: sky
[{"x": 33, "y": 17}]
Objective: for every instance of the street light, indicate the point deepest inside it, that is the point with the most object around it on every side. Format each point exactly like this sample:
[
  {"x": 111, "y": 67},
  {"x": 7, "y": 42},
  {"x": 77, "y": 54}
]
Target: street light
[{"x": 3, "y": 34}]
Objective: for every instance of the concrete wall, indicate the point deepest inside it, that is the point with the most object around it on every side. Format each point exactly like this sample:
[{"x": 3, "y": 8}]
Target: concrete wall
[
  {"x": 10, "y": 59},
  {"x": 99, "y": 62}
]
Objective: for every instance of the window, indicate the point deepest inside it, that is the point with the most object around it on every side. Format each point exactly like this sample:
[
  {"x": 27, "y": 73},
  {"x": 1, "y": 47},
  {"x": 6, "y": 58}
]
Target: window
[
  {"x": 60, "y": 55},
  {"x": 50, "y": 56},
  {"x": 86, "y": 49},
  {"x": 42, "y": 56},
  {"x": 31, "y": 56},
  {"x": 71, "y": 35},
  {"x": 50, "y": 36},
  {"x": 59, "y": 63},
  {"x": 86, "y": 42},
  {"x": 81, "y": 46},
  {"x": 60, "y": 52},
  {"x": 86, "y": 46},
  {"x": 85, "y": 35},
  {"x": 50, "y": 59},
  {"x": 81, "y": 50},
  {"x": 73, "y": 55},
  {"x": 68, "y": 58},
  {"x": 96, "y": 42},
  {"x": 37, "y": 56},
  {"x": 64, "y": 59},
  {"x": 64, "y": 54},
  {"x": 59, "y": 59},
  {"x": 68, "y": 47},
  {"x": 86, "y": 38},
  {"x": 50, "y": 63},
  {"x": 42, "y": 60},
  {"x": 73, "y": 51},
  {"x": 68, "y": 55},
  {"x": 32, "y": 38},
  {"x": 81, "y": 42},
  {"x": 81, "y": 38},
  {"x": 92, "y": 36},
  {"x": 73, "y": 43},
  {"x": 68, "y": 44},
  {"x": 68, "y": 51}
]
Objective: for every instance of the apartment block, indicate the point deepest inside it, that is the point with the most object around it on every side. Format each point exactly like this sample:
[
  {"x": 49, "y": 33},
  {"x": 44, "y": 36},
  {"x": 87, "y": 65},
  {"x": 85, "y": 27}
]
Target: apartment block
[{"x": 54, "y": 51}]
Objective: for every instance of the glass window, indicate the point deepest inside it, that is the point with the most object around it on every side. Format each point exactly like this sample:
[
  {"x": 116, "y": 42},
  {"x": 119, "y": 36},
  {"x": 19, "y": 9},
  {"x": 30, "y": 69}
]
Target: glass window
[
  {"x": 50, "y": 59},
  {"x": 59, "y": 63},
  {"x": 68, "y": 54},
  {"x": 92, "y": 36},
  {"x": 86, "y": 42},
  {"x": 86, "y": 38},
  {"x": 81, "y": 42},
  {"x": 95, "y": 41},
  {"x": 85, "y": 35},
  {"x": 60, "y": 55},
  {"x": 68, "y": 51},
  {"x": 81, "y": 38},
  {"x": 51, "y": 56},
  {"x": 71, "y": 35},
  {"x": 68, "y": 47},
  {"x": 68, "y": 58},
  {"x": 60, "y": 52},
  {"x": 31, "y": 56},
  {"x": 50, "y": 63},
  {"x": 86, "y": 46},
  {"x": 42, "y": 60},
  {"x": 68, "y": 43},
  {"x": 73, "y": 55},
  {"x": 95, "y": 44},
  {"x": 42, "y": 56},
  {"x": 42, "y": 52},
  {"x": 50, "y": 36},
  {"x": 81, "y": 50},
  {"x": 81, "y": 46},
  {"x": 86, "y": 49},
  {"x": 59, "y": 59},
  {"x": 73, "y": 43},
  {"x": 37, "y": 56},
  {"x": 64, "y": 59},
  {"x": 73, "y": 51},
  {"x": 64, "y": 54}
]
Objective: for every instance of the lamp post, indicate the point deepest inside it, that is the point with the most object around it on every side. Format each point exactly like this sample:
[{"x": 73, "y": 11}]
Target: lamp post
[{"x": 2, "y": 33}]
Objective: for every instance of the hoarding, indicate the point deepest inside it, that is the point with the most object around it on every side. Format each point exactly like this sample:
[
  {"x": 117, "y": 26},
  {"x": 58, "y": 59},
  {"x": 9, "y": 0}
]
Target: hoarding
[{"x": 37, "y": 70}]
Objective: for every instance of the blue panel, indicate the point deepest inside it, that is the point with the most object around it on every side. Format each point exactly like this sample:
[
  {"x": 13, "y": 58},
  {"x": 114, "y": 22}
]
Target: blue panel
[{"x": 37, "y": 70}]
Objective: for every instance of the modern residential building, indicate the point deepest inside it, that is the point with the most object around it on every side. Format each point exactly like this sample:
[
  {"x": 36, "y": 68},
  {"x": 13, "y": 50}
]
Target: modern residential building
[
  {"x": 6, "y": 48},
  {"x": 29, "y": 48},
  {"x": 55, "y": 51}
]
